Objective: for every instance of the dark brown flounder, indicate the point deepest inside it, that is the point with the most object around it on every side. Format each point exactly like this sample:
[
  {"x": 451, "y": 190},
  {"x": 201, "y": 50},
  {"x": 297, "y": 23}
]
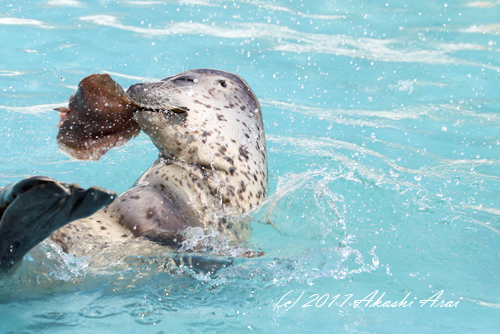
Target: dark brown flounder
[{"x": 99, "y": 117}]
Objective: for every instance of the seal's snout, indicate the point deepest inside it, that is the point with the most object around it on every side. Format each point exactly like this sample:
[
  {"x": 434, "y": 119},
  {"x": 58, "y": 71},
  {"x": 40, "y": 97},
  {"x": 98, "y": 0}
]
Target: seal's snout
[
  {"x": 151, "y": 95},
  {"x": 136, "y": 91}
]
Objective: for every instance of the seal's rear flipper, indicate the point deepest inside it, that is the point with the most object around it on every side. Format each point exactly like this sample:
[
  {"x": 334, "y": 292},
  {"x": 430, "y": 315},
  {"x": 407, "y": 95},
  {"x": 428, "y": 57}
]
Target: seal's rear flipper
[
  {"x": 99, "y": 117},
  {"x": 31, "y": 209}
]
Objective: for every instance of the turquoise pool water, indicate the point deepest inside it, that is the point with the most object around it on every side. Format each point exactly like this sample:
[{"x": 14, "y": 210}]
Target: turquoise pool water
[{"x": 382, "y": 122}]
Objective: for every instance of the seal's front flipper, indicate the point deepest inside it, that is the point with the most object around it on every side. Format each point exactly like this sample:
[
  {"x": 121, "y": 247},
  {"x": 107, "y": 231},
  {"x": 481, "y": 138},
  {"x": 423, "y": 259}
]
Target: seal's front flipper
[
  {"x": 155, "y": 214},
  {"x": 31, "y": 209}
]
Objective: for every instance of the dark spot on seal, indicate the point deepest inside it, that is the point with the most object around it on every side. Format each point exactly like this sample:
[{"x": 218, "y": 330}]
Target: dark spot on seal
[
  {"x": 221, "y": 118},
  {"x": 151, "y": 213},
  {"x": 243, "y": 187},
  {"x": 135, "y": 197},
  {"x": 243, "y": 152},
  {"x": 103, "y": 228},
  {"x": 232, "y": 170}
]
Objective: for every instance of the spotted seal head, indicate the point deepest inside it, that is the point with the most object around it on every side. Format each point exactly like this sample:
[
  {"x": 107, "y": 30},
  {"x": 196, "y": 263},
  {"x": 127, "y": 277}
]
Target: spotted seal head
[{"x": 209, "y": 122}]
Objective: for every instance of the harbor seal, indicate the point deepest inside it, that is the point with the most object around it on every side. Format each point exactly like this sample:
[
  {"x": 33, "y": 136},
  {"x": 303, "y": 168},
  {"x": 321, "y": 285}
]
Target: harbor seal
[{"x": 208, "y": 128}]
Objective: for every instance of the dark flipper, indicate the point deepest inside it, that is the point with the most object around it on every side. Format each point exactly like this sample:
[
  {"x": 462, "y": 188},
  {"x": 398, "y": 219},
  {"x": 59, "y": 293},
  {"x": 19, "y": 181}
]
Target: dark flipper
[{"x": 31, "y": 209}]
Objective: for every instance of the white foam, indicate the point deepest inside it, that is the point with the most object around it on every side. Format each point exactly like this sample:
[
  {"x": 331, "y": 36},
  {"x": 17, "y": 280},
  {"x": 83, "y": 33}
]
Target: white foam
[
  {"x": 493, "y": 28},
  {"x": 453, "y": 47},
  {"x": 180, "y": 2},
  {"x": 493, "y": 305},
  {"x": 65, "y": 3},
  {"x": 5, "y": 73},
  {"x": 144, "y": 3},
  {"x": 332, "y": 114},
  {"x": 274, "y": 7},
  {"x": 23, "y": 22},
  {"x": 482, "y": 4}
]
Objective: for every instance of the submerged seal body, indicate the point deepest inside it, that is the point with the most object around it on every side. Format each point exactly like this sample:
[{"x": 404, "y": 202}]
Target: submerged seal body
[{"x": 207, "y": 125}]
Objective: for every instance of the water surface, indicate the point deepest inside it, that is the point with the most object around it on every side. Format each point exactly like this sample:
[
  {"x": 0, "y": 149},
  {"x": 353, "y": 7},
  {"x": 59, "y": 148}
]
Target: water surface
[{"x": 382, "y": 123}]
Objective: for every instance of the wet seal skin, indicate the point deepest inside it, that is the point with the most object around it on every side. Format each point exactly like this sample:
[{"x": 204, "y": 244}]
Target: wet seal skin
[
  {"x": 99, "y": 117},
  {"x": 207, "y": 126}
]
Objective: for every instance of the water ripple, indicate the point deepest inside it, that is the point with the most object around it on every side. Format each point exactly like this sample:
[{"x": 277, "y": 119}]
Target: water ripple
[{"x": 290, "y": 40}]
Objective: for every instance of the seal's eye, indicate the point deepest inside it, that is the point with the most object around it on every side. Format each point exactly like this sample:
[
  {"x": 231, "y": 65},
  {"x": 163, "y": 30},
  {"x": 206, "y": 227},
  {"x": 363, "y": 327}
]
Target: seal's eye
[
  {"x": 222, "y": 83},
  {"x": 185, "y": 79}
]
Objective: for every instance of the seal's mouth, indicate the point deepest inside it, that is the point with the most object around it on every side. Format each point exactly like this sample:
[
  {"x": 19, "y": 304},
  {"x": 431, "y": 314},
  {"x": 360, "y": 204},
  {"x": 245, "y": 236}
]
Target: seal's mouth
[
  {"x": 159, "y": 118},
  {"x": 176, "y": 110}
]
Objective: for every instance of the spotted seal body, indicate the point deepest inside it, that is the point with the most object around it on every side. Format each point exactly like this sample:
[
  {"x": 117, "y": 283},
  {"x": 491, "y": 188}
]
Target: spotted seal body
[{"x": 208, "y": 128}]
